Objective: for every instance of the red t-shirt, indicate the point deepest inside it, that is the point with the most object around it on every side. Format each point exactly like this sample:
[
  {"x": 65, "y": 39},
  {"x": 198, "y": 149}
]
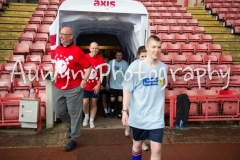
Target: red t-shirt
[
  {"x": 95, "y": 73},
  {"x": 69, "y": 66}
]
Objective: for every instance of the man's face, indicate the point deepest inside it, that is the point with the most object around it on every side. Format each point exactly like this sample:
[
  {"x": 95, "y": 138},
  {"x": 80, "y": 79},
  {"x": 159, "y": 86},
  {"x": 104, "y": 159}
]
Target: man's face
[
  {"x": 153, "y": 49},
  {"x": 118, "y": 56},
  {"x": 66, "y": 36},
  {"x": 94, "y": 49}
]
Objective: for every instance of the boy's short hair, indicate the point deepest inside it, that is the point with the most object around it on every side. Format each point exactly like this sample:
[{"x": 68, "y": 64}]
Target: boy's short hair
[
  {"x": 153, "y": 37},
  {"x": 141, "y": 49},
  {"x": 118, "y": 51}
]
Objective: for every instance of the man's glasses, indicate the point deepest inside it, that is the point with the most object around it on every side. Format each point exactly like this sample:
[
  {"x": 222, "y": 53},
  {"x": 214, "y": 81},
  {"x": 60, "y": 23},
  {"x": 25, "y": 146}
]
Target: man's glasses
[{"x": 64, "y": 34}]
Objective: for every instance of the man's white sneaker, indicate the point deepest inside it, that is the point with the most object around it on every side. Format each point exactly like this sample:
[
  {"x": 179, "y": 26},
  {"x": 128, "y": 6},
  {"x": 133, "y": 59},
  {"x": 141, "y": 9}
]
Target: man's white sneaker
[
  {"x": 144, "y": 147},
  {"x": 127, "y": 131},
  {"x": 92, "y": 125},
  {"x": 85, "y": 121}
]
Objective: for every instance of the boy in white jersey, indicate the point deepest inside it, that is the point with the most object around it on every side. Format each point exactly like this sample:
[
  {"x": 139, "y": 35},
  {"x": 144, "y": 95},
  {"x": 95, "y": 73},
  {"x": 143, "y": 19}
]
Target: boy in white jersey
[
  {"x": 144, "y": 85},
  {"x": 142, "y": 53}
]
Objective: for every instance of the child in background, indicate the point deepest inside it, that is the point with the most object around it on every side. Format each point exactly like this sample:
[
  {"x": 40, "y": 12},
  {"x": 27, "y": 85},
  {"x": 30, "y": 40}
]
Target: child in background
[{"x": 142, "y": 53}]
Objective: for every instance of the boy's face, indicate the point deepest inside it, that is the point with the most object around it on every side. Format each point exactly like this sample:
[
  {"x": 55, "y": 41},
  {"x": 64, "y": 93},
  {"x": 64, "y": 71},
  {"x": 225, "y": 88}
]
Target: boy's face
[
  {"x": 153, "y": 49},
  {"x": 94, "y": 49}
]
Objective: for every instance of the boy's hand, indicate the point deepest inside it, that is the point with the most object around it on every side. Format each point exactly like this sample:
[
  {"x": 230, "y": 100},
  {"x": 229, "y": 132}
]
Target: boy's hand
[{"x": 125, "y": 119}]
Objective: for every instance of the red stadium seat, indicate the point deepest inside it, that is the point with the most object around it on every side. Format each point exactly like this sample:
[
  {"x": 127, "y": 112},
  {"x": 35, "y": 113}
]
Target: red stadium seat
[
  {"x": 154, "y": 15},
  {"x": 52, "y": 8},
  {"x": 54, "y": 2},
  {"x": 192, "y": 22},
  {"x": 44, "y": 28},
  {"x": 222, "y": 68},
  {"x": 21, "y": 49},
  {"x": 35, "y": 20},
  {"x": 161, "y": 9},
  {"x": 175, "y": 29},
  {"x": 225, "y": 59},
  {"x": 193, "y": 39},
  {"x": 38, "y": 48},
  {"x": 235, "y": 69},
  {"x": 151, "y": 9},
  {"x": 27, "y": 36},
  {"x": 179, "y": 59},
  {"x": 41, "y": 7},
  {"x": 199, "y": 30},
  {"x": 157, "y": 21},
  {"x": 153, "y": 29},
  {"x": 20, "y": 83},
  {"x": 34, "y": 58},
  {"x": 31, "y": 28},
  {"x": 197, "y": 82},
  {"x": 166, "y": 38},
  {"x": 165, "y": 59},
  {"x": 179, "y": 82},
  {"x": 169, "y": 22},
  {"x": 5, "y": 84},
  {"x": 186, "y": 49},
  {"x": 43, "y": 2},
  {"x": 41, "y": 37},
  {"x": 40, "y": 83},
  {"x": 165, "y": 16},
  {"x": 14, "y": 58},
  {"x": 215, "y": 49},
  {"x": 172, "y": 49},
  {"x": 207, "y": 68},
  {"x": 50, "y": 14},
  {"x": 210, "y": 58},
  {"x": 225, "y": 5},
  {"x": 232, "y": 10},
  {"x": 182, "y": 10},
  {"x": 215, "y": 82},
  {"x": 181, "y": 22},
  {"x": 176, "y": 4},
  {"x": 45, "y": 67},
  {"x": 38, "y": 13},
  {"x": 157, "y": 4},
  {"x": 180, "y": 39},
  {"x": 176, "y": 15},
  {"x": 173, "y": 69},
  {"x": 201, "y": 49},
  {"x": 230, "y": 108},
  {"x": 195, "y": 59},
  {"x": 148, "y": 4},
  {"x": 48, "y": 20},
  {"x": 167, "y": 4},
  {"x": 46, "y": 59},
  {"x": 206, "y": 39},
  {"x": 8, "y": 68},
  {"x": 187, "y": 30},
  {"x": 30, "y": 68},
  {"x": 186, "y": 15},
  {"x": 162, "y": 29},
  {"x": 234, "y": 81},
  {"x": 186, "y": 68},
  {"x": 172, "y": 9}
]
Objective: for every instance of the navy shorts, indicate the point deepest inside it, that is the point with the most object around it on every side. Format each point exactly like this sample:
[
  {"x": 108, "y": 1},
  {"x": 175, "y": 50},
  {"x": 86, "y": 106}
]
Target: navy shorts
[
  {"x": 88, "y": 94},
  {"x": 154, "y": 135}
]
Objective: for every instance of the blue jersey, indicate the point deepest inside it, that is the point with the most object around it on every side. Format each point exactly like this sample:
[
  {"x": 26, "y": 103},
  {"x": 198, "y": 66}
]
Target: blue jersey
[
  {"x": 147, "y": 85},
  {"x": 117, "y": 72}
]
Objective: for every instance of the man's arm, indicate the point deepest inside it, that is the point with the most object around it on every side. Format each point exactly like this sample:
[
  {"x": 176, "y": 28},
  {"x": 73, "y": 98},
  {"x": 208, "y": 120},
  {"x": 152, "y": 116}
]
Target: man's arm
[
  {"x": 86, "y": 76},
  {"x": 126, "y": 100}
]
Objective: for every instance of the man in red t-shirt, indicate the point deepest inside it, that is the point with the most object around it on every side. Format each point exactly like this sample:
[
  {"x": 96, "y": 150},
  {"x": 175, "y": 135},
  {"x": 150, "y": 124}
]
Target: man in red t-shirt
[
  {"x": 70, "y": 61},
  {"x": 93, "y": 84}
]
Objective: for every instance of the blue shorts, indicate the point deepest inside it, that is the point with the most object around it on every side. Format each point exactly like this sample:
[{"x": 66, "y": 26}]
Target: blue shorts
[
  {"x": 87, "y": 94},
  {"x": 154, "y": 135}
]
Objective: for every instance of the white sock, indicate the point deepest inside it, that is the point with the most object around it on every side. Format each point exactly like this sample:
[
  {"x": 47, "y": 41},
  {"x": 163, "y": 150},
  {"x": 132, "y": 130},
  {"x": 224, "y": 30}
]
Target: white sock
[
  {"x": 87, "y": 115},
  {"x": 105, "y": 110},
  {"x": 91, "y": 120},
  {"x": 112, "y": 110},
  {"x": 108, "y": 110}
]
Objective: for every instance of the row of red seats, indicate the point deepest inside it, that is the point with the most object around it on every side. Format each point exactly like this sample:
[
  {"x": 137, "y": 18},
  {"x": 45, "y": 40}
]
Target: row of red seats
[
  {"x": 41, "y": 7},
  {"x": 169, "y": 15},
  {"x": 161, "y": 4},
  {"x": 188, "y": 30},
  {"x": 191, "y": 49},
  {"x": 182, "y": 69},
  {"x": 28, "y": 48},
  {"x": 28, "y": 68},
  {"x": 50, "y": 2},
  {"x": 38, "y": 28},
  {"x": 30, "y": 58},
  {"x": 216, "y": 11},
  {"x": 222, "y": 5},
  {"x": 195, "y": 59},
  {"x": 41, "y": 20},
  {"x": 221, "y": 1},
  {"x": 186, "y": 38},
  {"x": 34, "y": 37},
  {"x": 44, "y": 13},
  {"x": 166, "y": 9}
]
